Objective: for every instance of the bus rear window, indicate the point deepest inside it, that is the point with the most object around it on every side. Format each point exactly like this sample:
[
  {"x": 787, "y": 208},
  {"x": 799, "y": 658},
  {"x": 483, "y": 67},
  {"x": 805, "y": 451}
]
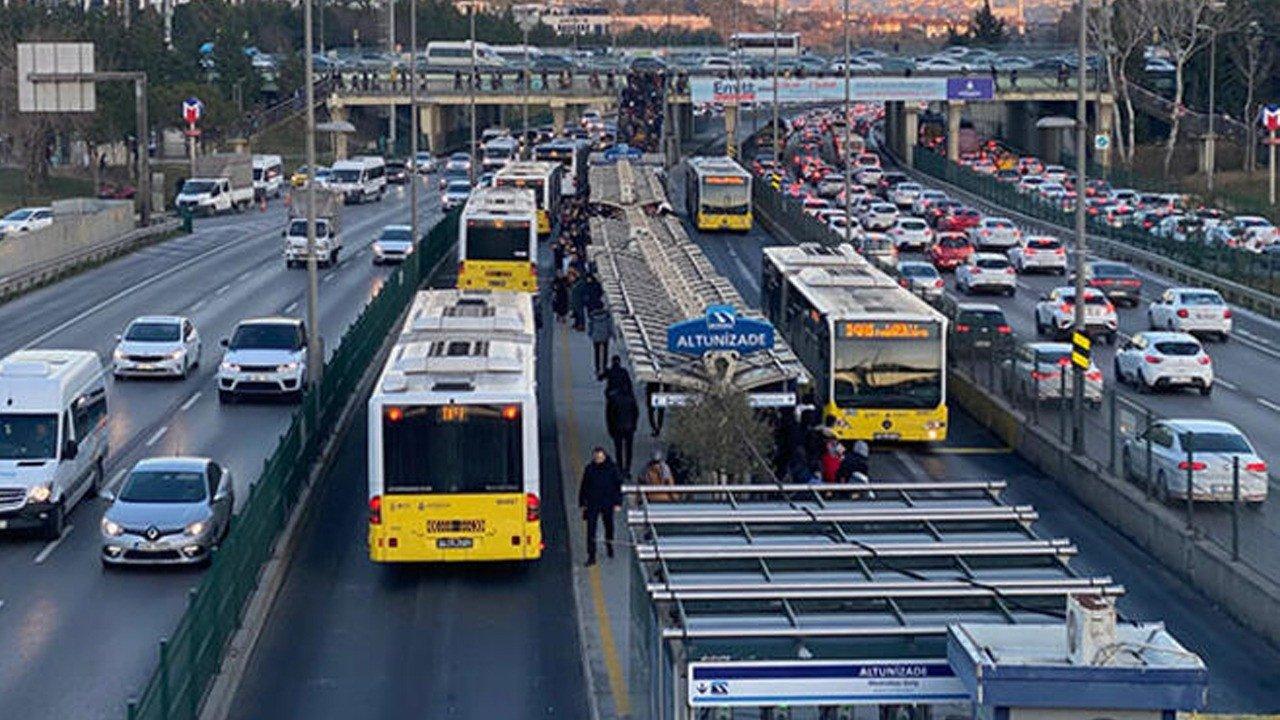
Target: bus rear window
[{"x": 442, "y": 449}]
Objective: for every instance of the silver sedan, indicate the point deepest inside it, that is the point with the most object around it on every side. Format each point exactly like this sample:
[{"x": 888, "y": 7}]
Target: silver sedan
[{"x": 169, "y": 511}]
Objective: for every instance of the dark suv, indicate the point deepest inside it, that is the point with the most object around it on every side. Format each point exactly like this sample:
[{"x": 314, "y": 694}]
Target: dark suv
[{"x": 978, "y": 330}]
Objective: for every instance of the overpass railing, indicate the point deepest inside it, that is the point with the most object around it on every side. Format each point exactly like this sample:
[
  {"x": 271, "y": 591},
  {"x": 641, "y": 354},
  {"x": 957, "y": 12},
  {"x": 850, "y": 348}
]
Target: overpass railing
[{"x": 190, "y": 658}]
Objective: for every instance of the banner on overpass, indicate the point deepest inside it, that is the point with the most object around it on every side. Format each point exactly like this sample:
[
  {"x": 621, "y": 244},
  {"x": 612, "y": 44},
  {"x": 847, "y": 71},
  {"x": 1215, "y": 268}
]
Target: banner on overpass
[{"x": 861, "y": 89}]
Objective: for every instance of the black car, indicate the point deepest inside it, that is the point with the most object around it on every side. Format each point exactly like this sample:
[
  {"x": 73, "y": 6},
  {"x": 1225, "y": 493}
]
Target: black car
[
  {"x": 397, "y": 172},
  {"x": 1116, "y": 280},
  {"x": 978, "y": 330}
]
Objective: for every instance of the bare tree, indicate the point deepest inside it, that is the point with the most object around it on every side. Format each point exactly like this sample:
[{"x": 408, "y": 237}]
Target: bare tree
[
  {"x": 715, "y": 434},
  {"x": 1117, "y": 29},
  {"x": 1254, "y": 60}
]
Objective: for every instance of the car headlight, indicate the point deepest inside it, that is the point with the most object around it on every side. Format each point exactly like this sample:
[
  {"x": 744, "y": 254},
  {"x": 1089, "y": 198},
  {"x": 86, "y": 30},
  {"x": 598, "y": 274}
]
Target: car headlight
[
  {"x": 177, "y": 354},
  {"x": 197, "y": 528},
  {"x": 40, "y": 493},
  {"x": 287, "y": 367},
  {"x": 118, "y": 354},
  {"x": 111, "y": 529},
  {"x": 230, "y": 366}
]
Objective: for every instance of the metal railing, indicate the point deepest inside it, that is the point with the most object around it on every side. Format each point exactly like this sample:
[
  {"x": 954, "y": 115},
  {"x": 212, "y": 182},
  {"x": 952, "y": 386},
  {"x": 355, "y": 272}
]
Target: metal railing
[{"x": 190, "y": 658}]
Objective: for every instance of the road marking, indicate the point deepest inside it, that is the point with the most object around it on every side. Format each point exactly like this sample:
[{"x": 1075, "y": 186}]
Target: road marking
[
  {"x": 198, "y": 304},
  {"x": 158, "y": 434},
  {"x": 999, "y": 450},
  {"x": 53, "y": 545},
  {"x": 222, "y": 289},
  {"x": 915, "y": 468},
  {"x": 190, "y": 401},
  {"x": 115, "y": 481},
  {"x": 290, "y": 307},
  {"x": 1268, "y": 404},
  {"x": 1226, "y": 384},
  {"x": 746, "y": 273},
  {"x": 327, "y": 277}
]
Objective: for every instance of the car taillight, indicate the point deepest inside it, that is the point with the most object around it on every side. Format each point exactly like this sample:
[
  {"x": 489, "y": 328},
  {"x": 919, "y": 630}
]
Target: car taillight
[
  {"x": 532, "y": 508},
  {"x": 1183, "y": 313},
  {"x": 902, "y": 282},
  {"x": 375, "y": 510},
  {"x": 1131, "y": 282},
  {"x": 1204, "y": 359},
  {"x": 462, "y": 267},
  {"x": 1038, "y": 375},
  {"x": 1004, "y": 329},
  {"x": 1093, "y": 375},
  {"x": 939, "y": 283},
  {"x": 1110, "y": 308},
  {"x": 1064, "y": 307},
  {"x": 961, "y": 328},
  {"x": 1010, "y": 271},
  {"x": 1060, "y": 251},
  {"x": 1256, "y": 467},
  {"x": 1193, "y": 465},
  {"x": 1152, "y": 359},
  {"x": 1226, "y": 314}
]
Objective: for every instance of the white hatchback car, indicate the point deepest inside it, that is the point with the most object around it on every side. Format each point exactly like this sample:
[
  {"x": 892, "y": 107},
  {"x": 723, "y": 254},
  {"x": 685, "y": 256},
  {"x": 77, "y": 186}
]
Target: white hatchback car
[
  {"x": 25, "y": 220},
  {"x": 911, "y": 233},
  {"x": 1191, "y": 310},
  {"x": 879, "y": 216},
  {"x": 1040, "y": 253},
  {"x": 1162, "y": 359},
  {"x": 156, "y": 346},
  {"x": 925, "y": 199},
  {"x": 994, "y": 233},
  {"x": 1207, "y": 450},
  {"x": 904, "y": 194},
  {"x": 921, "y": 278},
  {"x": 988, "y": 272},
  {"x": 1056, "y": 312}
]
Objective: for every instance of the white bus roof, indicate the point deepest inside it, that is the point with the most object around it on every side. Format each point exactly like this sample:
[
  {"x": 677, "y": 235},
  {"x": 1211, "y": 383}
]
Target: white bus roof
[
  {"x": 498, "y": 201},
  {"x": 456, "y": 313},
  {"x": 358, "y": 162},
  {"x": 721, "y": 165},
  {"x": 43, "y": 380},
  {"x": 840, "y": 283},
  {"x": 266, "y": 160},
  {"x": 528, "y": 169}
]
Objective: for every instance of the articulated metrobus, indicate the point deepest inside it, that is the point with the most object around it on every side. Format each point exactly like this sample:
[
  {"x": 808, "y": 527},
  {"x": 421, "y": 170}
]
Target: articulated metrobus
[
  {"x": 498, "y": 241},
  {"x": 453, "y": 434},
  {"x": 762, "y": 43},
  {"x": 573, "y": 155},
  {"x": 718, "y": 194},
  {"x": 876, "y": 351},
  {"x": 498, "y": 152},
  {"x": 543, "y": 178}
]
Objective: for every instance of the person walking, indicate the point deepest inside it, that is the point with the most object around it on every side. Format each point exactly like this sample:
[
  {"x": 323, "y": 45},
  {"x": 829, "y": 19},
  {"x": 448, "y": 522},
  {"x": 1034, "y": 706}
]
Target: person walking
[
  {"x": 599, "y": 495},
  {"x": 616, "y": 378},
  {"x": 658, "y": 472},
  {"x": 560, "y": 299},
  {"x": 578, "y": 301},
  {"x": 831, "y": 460},
  {"x": 621, "y": 414},
  {"x": 600, "y": 329}
]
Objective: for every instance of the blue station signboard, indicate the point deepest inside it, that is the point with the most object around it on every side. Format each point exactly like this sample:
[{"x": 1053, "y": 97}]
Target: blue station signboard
[{"x": 721, "y": 329}]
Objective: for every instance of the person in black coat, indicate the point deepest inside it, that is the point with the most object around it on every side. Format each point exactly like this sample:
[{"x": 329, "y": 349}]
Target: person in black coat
[
  {"x": 621, "y": 415},
  {"x": 616, "y": 378},
  {"x": 599, "y": 495}
]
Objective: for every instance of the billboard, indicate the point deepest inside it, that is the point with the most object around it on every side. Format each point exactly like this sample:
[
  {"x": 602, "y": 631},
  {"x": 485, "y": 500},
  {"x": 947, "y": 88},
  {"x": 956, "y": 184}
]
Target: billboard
[{"x": 831, "y": 89}]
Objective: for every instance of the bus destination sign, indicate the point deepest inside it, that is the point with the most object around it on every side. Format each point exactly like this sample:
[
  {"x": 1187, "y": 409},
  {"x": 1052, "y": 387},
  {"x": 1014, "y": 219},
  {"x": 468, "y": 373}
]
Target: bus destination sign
[{"x": 891, "y": 330}]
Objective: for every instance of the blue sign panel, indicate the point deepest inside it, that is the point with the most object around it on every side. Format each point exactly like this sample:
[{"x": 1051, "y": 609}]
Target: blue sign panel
[
  {"x": 791, "y": 682},
  {"x": 721, "y": 329},
  {"x": 622, "y": 151},
  {"x": 971, "y": 88}
]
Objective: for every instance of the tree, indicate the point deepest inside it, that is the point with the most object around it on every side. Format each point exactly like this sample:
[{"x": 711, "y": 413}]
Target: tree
[
  {"x": 721, "y": 437},
  {"x": 1117, "y": 30},
  {"x": 984, "y": 29},
  {"x": 1254, "y": 58}
]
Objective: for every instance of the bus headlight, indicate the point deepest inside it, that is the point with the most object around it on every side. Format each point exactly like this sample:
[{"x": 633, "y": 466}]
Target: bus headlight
[{"x": 40, "y": 493}]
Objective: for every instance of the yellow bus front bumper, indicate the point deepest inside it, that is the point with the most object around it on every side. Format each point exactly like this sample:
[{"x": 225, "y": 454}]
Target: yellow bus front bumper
[
  {"x": 891, "y": 425},
  {"x": 454, "y": 528},
  {"x": 712, "y": 221},
  {"x": 497, "y": 275}
]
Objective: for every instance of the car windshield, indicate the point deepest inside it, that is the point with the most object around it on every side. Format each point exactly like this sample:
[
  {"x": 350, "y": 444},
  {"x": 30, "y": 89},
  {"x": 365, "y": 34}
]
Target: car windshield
[
  {"x": 195, "y": 187},
  {"x": 19, "y": 215},
  {"x": 267, "y": 336},
  {"x": 980, "y": 317},
  {"x": 298, "y": 227},
  {"x": 889, "y": 372},
  {"x": 164, "y": 486},
  {"x": 953, "y": 242},
  {"x": 1110, "y": 270},
  {"x": 459, "y": 186},
  {"x": 993, "y": 263},
  {"x": 911, "y": 224},
  {"x": 1089, "y": 299},
  {"x": 28, "y": 437},
  {"x": 345, "y": 176},
  {"x": 1044, "y": 244},
  {"x": 396, "y": 235},
  {"x": 1201, "y": 298},
  {"x": 918, "y": 271},
  {"x": 152, "y": 332},
  {"x": 1216, "y": 442},
  {"x": 1180, "y": 348},
  {"x": 1053, "y": 357}
]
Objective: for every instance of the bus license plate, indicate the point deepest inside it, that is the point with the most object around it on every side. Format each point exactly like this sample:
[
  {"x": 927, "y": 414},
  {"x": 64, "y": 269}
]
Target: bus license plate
[
  {"x": 886, "y": 436},
  {"x": 453, "y": 543}
]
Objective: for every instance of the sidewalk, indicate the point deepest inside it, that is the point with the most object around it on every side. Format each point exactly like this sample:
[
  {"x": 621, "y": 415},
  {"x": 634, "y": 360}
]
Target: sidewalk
[{"x": 603, "y": 591}]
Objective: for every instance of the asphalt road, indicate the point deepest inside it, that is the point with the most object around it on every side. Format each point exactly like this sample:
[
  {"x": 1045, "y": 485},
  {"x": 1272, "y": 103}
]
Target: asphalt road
[
  {"x": 1241, "y": 679},
  {"x": 348, "y": 638},
  {"x": 82, "y": 639}
]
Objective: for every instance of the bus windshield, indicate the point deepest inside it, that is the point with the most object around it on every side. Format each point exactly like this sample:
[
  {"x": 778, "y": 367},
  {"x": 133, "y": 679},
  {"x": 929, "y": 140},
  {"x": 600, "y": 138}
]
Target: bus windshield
[
  {"x": 725, "y": 196},
  {"x": 497, "y": 240},
  {"x": 534, "y": 185},
  {"x": 452, "y": 449},
  {"x": 888, "y": 372}
]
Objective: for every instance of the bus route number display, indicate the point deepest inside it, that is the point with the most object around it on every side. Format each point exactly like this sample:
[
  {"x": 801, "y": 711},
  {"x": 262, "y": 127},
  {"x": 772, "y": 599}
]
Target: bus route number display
[
  {"x": 724, "y": 180},
  {"x": 871, "y": 330}
]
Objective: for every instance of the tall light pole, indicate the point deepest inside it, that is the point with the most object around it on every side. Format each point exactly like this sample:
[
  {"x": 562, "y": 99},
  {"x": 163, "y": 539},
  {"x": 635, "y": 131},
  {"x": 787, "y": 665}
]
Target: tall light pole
[
  {"x": 848, "y": 134},
  {"x": 1077, "y": 386},
  {"x": 526, "y": 23},
  {"x": 475, "y": 80},
  {"x": 1211, "y": 139},
  {"x": 777, "y": 25},
  {"x": 315, "y": 357},
  {"x": 415, "y": 177},
  {"x": 391, "y": 50}
]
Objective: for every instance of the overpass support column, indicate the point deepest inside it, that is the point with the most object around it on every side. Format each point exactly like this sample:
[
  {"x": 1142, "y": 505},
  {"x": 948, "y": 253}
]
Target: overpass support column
[
  {"x": 337, "y": 114},
  {"x": 954, "y": 109},
  {"x": 731, "y": 130},
  {"x": 431, "y": 124},
  {"x": 1105, "y": 110},
  {"x": 892, "y": 120},
  {"x": 559, "y": 115},
  {"x": 910, "y": 132},
  {"x": 684, "y": 121}
]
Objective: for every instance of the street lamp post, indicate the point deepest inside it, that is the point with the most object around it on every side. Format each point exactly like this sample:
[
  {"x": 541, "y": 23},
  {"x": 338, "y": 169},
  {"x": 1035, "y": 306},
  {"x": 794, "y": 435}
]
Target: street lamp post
[
  {"x": 315, "y": 359},
  {"x": 848, "y": 133},
  {"x": 777, "y": 26},
  {"x": 416, "y": 176},
  {"x": 525, "y": 25},
  {"x": 1077, "y": 387},
  {"x": 471, "y": 169},
  {"x": 1210, "y": 139},
  {"x": 391, "y": 50}
]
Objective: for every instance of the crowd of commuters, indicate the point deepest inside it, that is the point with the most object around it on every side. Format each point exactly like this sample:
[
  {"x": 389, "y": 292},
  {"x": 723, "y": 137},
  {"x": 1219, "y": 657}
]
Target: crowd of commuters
[{"x": 640, "y": 109}]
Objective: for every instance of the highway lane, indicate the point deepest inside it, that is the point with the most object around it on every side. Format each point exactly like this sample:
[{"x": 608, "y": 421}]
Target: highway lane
[
  {"x": 1239, "y": 662},
  {"x": 348, "y": 638},
  {"x": 57, "y": 599}
]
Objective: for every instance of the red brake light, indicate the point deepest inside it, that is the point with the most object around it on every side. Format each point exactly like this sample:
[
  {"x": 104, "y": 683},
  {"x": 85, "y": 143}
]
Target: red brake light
[
  {"x": 1152, "y": 359},
  {"x": 938, "y": 283},
  {"x": 960, "y": 328},
  {"x": 1065, "y": 307},
  {"x": 1093, "y": 375},
  {"x": 1183, "y": 313},
  {"x": 1010, "y": 271},
  {"x": 1193, "y": 466},
  {"x": 395, "y": 414},
  {"x": 1004, "y": 329},
  {"x": 375, "y": 510},
  {"x": 532, "y": 508},
  {"x": 1204, "y": 360},
  {"x": 1060, "y": 251},
  {"x": 462, "y": 267},
  {"x": 1037, "y": 375},
  {"x": 1256, "y": 467},
  {"x": 1226, "y": 314}
]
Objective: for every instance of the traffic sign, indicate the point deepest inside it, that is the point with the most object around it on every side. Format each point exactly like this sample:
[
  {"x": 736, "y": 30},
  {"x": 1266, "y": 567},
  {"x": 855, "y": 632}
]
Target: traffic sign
[
  {"x": 58, "y": 96},
  {"x": 1271, "y": 117},
  {"x": 722, "y": 328},
  {"x": 192, "y": 109},
  {"x": 1080, "y": 346},
  {"x": 1101, "y": 141}
]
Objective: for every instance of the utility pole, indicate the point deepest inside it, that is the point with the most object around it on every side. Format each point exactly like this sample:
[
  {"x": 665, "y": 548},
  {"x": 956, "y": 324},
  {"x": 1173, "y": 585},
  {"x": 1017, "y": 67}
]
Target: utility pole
[
  {"x": 471, "y": 169},
  {"x": 415, "y": 178},
  {"x": 526, "y": 147},
  {"x": 777, "y": 27},
  {"x": 1211, "y": 139},
  {"x": 315, "y": 357},
  {"x": 391, "y": 49},
  {"x": 1077, "y": 387},
  {"x": 848, "y": 134}
]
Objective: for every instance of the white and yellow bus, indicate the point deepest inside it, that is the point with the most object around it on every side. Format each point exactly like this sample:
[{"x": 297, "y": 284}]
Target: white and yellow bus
[
  {"x": 498, "y": 241},
  {"x": 877, "y": 352},
  {"x": 453, "y": 434},
  {"x": 574, "y": 155},
  {"x": 718, "y": 194},
  {"x": 543, "y": 178}
]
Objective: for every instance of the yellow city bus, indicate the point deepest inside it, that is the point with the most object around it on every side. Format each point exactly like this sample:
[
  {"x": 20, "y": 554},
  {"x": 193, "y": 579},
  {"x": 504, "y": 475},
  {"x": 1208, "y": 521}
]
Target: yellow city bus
[
  {"x": 498, "y": 241},
  {"x": 718, "y": 194},
  {"x": 543, "y": 178},
  {"x": 877, "y": 352},
  {"x": 453, "y": 434}
]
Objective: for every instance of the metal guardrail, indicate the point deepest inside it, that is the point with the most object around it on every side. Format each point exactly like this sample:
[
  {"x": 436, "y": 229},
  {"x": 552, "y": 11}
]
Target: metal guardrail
[
  {"x": 33, "y": 276},
  {"x": 190, "y": 658}
]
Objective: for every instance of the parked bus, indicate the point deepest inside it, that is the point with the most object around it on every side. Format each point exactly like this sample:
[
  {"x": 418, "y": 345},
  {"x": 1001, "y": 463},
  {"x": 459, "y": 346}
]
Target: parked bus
[
  {"x": 453, "y": 434},
  {"x": 718, "y": 194},
  {"x": 877, "y": 352},
  {"x": 543, "y": 178},
  {"x": 457, "y": 54},
  {"x": 761, "y": 44},
  {"x": 498, "y": 152},
  {"x": 498, "y": 240},
  {"x": 573, "y": 155}
]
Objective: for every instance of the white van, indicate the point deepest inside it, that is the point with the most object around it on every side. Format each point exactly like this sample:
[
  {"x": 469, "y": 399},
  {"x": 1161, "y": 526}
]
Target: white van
[
  {"x": 457, "y": 53},
  {"x": 53, "y": 436},
  {"x": 358, "y": 179},
  {"x": 268, "y": 176}
]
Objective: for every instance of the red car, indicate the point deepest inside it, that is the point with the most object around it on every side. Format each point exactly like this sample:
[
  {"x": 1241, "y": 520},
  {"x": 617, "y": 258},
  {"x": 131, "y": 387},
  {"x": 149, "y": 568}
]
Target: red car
[
  {"x": 950, "y": 249},
  {"x": 959, "y": 221}
]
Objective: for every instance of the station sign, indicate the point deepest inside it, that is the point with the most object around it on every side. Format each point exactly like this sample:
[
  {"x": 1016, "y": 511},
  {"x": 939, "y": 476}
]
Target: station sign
[
  {"x": 800, "y": 683},
  {"x": 721, "y": 329},
  {"x": 754, "y": 399},
  {"x": 861, "y": 89},
  {"x": 1269, "y": 116},
  {"x": 622, "y": 151}
]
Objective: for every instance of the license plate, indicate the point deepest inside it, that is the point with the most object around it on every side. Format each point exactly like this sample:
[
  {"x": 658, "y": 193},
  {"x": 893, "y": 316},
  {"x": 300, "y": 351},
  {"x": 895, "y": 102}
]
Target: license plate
[
  {"x": 260, "y": 378},
  {"x": 1182, "y": 380},
  {"x": 982, "y": 343},
  {"x": 4, "y": 524},
  {"x": 453, "y": 543},
  {"x": 886, "y": 436}
]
